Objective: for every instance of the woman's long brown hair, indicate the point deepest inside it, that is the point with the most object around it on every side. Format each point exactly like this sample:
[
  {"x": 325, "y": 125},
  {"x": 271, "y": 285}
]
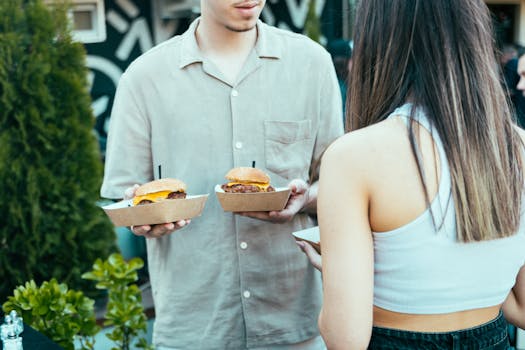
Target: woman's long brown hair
[{"x": 441, "y": 54}]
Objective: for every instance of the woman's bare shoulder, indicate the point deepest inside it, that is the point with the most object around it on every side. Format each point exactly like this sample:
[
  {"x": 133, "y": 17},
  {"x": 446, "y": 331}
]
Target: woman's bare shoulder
[{"x": 371, "y": 143}]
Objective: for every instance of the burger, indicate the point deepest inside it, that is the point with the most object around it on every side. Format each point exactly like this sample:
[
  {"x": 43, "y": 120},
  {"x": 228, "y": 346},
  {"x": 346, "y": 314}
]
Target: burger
[
  {"x": 247, "y": 180},
  {"x": 159, "y": 190}
]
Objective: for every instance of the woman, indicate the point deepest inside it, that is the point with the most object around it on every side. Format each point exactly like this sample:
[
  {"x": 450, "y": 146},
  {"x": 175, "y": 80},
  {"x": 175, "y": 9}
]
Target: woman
[{"x": 419, "y": 205}]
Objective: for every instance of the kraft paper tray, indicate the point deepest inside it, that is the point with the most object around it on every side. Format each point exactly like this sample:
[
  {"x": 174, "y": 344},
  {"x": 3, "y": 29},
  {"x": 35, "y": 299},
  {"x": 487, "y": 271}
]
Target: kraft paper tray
[
  {"x": 310, "y": 235},
  {"x": 123, "y": 213},
  {"x": 261, "y": 201}
]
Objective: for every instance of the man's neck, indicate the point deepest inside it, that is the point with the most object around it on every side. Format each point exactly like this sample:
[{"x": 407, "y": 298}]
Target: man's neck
[
  {"x": 217, "y": 40},
  {"x": 227, "y": 49}
]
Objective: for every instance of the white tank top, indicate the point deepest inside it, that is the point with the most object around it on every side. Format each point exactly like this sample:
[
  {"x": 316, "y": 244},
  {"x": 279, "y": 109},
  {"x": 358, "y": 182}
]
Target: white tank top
[{"x": 419, "y": 270}]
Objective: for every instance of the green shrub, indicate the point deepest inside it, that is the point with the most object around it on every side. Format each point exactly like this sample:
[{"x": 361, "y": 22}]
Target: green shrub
[
  {"x": 62, "y": 314},
  {"x": 67, "y": 316},
  {"x": 124, "y": 310},
  {"x": 50, "y": 164}
]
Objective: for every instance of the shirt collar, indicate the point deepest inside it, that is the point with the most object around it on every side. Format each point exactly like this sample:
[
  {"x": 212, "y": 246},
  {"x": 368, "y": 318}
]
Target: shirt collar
[
  {"x": 267, "y": 44},
  {"x": 190, "y": 52}
]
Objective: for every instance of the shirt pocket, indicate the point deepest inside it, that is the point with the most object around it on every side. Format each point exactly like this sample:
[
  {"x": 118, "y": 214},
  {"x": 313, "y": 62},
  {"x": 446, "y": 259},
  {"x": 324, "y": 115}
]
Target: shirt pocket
[{"x": 288, "y": 147}]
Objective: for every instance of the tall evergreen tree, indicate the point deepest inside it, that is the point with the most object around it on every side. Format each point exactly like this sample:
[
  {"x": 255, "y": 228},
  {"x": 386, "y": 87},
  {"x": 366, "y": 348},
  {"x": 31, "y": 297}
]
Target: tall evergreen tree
[{"x": 50, "y": 166}]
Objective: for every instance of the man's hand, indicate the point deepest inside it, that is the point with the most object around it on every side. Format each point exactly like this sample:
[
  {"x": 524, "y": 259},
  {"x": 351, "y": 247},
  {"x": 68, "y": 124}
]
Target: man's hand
[
  {"x": 312, "y": 254},
  {"x": 299, "y": 197},
  {"x": 154, "y": 231},
  {"x": 159, "y": 230}
]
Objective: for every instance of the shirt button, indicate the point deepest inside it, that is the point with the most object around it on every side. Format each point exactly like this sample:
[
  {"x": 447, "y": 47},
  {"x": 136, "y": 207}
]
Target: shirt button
[
  {"x": 238, "y": 145},
  {"x": 246, "y": 294},
  {"x": 235, "y": 93},
  {"x": 244, "y": 245}
]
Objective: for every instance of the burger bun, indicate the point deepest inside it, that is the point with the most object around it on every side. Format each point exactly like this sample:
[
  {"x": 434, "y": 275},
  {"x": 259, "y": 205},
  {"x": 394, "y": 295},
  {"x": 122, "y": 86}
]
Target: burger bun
[
  {"x": 247, "y": 175},
  {"x": 166, "y": 184}
]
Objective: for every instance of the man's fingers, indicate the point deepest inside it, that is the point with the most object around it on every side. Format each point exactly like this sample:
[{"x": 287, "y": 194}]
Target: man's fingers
[
  {"x": 261, "y": 215},
  {"x": 281, "y": 216},
  {"x": 162, "y": 229},
  {"x": 298, "y": 186},
  {"x": 130, "y": 191},
  {"x": 182, "y": 223},
  {"x": 159, "y": 230},
  {"x": 141, "y": 230},
  {"x": 272, "y": 216},
  {"x": 293, "y": 207}
]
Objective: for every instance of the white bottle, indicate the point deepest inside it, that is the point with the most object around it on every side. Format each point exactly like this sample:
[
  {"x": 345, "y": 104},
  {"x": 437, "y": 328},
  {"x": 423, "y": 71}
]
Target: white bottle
[{"x": 10, "y": 331}]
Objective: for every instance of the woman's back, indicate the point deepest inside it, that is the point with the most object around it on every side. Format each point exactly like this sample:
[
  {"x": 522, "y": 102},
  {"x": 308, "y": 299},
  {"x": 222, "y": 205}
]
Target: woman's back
[
  {"x": 419, "y": 266},
  {"x": 400, "y": 268}
]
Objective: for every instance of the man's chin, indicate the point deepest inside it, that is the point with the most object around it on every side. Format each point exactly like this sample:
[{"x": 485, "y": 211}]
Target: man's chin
[{"x": 241, "y": 28}]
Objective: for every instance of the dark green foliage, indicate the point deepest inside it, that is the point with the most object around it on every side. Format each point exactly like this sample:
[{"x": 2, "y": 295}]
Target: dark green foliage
[{"x": 50, "y": 167}]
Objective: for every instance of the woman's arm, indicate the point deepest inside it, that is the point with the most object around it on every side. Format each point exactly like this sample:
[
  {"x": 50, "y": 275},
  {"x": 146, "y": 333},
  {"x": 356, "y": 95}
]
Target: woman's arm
[
  {"x": 347, "y": 246},
  {"x": 514, "y": 306}
]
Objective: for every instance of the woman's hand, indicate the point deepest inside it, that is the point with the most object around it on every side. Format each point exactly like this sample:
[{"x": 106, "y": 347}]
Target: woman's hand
[{"x": 312, "y": 254}]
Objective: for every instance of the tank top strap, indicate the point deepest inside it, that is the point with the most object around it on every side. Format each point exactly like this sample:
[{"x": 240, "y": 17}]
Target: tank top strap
[{"x": 442, "y": 201}]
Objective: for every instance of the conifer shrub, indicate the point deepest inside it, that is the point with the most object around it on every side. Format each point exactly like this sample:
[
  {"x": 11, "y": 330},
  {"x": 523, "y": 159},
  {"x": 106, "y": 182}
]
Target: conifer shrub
[{"x": 50, "y": 164}]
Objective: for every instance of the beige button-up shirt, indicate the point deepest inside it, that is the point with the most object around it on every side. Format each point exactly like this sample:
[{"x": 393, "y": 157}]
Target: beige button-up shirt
[{"x": 224, "y": 281}]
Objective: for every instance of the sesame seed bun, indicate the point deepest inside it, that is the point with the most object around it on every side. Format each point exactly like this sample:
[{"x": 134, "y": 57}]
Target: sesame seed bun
[{"x": 248, "y": 175}]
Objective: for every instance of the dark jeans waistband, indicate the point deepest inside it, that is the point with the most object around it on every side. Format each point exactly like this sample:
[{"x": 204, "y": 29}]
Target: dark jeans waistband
[{"x": 490, "y": 336}]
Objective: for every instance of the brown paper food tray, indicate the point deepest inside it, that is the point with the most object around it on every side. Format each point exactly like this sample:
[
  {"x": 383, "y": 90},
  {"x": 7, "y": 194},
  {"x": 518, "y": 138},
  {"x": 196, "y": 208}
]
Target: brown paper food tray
[
  {"x": 123, "y": 213},
  {"x": 310, "y": 235},
  {"x": 263, "y": 201}
]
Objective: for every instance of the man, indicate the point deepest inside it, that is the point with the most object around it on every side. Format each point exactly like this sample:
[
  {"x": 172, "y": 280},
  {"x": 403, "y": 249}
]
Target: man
[
  {"x": 517, "y": 98},
  {"x": 229, "y": 91},
  {"x": 341, "y": 52}
]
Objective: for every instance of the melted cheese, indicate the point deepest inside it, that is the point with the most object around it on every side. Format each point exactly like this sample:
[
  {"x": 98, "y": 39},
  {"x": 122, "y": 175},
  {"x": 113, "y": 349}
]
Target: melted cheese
[
  {"x": 154, "y": 197},
  {"x": 263, "y": 187}
]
